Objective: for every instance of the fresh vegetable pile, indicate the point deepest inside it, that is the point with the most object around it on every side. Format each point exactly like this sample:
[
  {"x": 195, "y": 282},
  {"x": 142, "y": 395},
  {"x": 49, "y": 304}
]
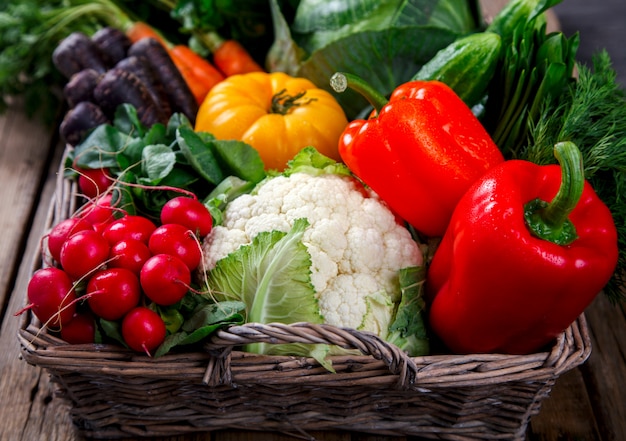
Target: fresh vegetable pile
[{"x": 447, "y": 184}]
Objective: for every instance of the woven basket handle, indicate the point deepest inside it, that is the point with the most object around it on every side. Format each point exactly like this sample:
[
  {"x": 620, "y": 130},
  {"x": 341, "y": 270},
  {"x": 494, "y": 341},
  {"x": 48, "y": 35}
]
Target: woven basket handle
[{"x": 222, "y": 343}]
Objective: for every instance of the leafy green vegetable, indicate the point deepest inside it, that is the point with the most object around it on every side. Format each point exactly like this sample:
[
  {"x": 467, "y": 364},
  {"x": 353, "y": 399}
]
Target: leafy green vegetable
[
  {"x": 315, "y": 26},
  {"x": 150, "y": 164},
  {"x": 384, "y": 42},
  {"x": 312, "y": 15},
  {"x": 535, "y": 67},
  {"x": 408, "y": 329},
  {"x": 272, "y": 276},
  {"x": 592, "y": 114}
]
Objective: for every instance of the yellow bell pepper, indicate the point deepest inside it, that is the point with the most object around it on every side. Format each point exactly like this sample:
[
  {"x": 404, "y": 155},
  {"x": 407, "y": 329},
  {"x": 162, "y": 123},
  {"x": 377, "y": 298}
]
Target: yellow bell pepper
[{"x": 275, "y": 113}]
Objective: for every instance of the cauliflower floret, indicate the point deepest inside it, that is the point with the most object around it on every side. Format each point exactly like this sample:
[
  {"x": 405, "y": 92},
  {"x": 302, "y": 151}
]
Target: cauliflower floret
[{"x": 356, "y": 244}]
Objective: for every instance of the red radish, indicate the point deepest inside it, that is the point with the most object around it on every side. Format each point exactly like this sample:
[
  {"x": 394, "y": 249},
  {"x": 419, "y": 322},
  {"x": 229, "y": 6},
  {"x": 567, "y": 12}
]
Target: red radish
[
  {"x": 178, "y": 241},
  {"x": 111, "y": 293},
  {"x": 143, "y": 330},
  {"x": 130, "y": 254},
  {"x": 93, "y": 182},
  {"x": 51, "y": 295},
  {"x": 129, "y": 227},
  {"x": 84, "y": 252},
  {"x": 62, "y": 231},
  {"x": 99, "y": 212},
  {"x": 188, "y": 212},
  {"x": 82, "y": 329},
  {"x": 165, "y": 279}
]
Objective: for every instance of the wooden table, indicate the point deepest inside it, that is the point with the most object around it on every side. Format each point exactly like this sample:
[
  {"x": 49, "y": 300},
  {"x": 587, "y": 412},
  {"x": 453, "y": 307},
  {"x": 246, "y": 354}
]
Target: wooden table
[{"x": 587, "y": 403}]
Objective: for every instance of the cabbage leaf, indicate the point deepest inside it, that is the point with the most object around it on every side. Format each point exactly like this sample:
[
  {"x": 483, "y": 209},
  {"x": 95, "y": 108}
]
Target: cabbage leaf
[
  {"x": 383, "y": 42},
  {"x": 272, "y": 276}
]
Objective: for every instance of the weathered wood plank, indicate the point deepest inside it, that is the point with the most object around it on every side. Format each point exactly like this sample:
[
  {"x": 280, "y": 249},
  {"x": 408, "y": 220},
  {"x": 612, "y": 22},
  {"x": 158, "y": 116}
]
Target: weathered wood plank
[
  {"x": 568, "y": 409},
  {"x": 26, "y": 405},
  {"x": 22, "y": 163},
  {"x": 605, "y": 371},
  {"x": 589, "y": 402}
]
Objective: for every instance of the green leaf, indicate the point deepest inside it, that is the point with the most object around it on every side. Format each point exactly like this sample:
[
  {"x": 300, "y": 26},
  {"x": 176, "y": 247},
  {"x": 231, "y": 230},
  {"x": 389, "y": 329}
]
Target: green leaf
[
  {"x": 309, "y": 160},
  {"x": 112, "y": 330},
  {"x": 315, "y": 15},
  {"x": 229, "y": 189},
  {"x": 176, "y": 121},
  {"x": 239, "y": 159},
  {"x": 199, "y": 155},
  {"x": 385, "y": 59},
  {"x": 284, "y": 55},
  {"x": 124, "y": 196},
  {"x": 172, "y": 318},
  {"x": 207, "y": 318},
  {"x": 132, "y": 153},
  {"x": 126, "y": 120},
  {"x": 209, "y": 313},
  {"x": 453, "y": 15},
  {"x": 158, "y": 134},
  {"x": 518, "y": 13},
  {"x": 456, "y": 15},
  {"x": 158, "y": 161},
  {"x": 408, "y": 330},
  {"x": 100, "y": 148}
]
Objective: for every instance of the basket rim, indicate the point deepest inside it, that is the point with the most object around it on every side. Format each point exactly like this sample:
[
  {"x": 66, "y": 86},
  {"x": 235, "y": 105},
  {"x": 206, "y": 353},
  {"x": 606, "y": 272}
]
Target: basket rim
[{"x": 221, "y": 361}]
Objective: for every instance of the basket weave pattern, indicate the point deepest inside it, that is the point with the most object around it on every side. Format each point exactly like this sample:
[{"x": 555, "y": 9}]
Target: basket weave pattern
[{"x": 115, "y": 392}]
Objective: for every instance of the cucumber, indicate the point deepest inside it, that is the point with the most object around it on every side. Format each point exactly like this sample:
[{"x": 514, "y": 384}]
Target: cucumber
[{"x": 466, "y": 65}]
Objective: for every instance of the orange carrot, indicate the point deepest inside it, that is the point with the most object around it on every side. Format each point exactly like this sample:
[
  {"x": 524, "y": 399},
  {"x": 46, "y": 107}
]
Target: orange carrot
[
  {"x": 140, "y": 30},
  {"x": 201, "y": 75},
  {"x": 229, "y": 56}
]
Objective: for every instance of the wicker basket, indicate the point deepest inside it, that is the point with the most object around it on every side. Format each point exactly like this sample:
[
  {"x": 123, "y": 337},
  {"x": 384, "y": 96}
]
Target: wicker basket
[{"x": 115, "y": 393}]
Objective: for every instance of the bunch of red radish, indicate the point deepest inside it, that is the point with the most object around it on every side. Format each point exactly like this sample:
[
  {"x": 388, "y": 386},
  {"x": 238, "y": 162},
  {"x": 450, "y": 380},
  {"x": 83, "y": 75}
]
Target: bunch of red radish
[{"x": 115, "y": 268}]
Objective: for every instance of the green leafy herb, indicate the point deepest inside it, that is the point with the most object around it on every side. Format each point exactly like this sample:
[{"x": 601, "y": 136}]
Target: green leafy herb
[
  {"x": 535, "y": 67},
  {"x": 592, "y": 114}
]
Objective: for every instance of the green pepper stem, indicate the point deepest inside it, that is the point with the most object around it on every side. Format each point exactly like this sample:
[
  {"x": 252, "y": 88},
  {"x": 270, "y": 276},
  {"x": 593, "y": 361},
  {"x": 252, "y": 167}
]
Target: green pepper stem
[
  {"x": 340, "y": 81},
  {"x": 550, "y": 220},
  {"x": 572, "y": 183}
]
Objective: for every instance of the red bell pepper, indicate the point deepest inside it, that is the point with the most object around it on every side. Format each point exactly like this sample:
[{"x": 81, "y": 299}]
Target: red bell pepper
[
  {"x": 513, "y": 270},
  {"x": 419, "y": 151}
]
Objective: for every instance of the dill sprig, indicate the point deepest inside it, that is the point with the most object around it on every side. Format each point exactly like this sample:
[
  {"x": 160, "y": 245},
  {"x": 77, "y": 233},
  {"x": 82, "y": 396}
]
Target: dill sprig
[{"x": 592, "y": 114}]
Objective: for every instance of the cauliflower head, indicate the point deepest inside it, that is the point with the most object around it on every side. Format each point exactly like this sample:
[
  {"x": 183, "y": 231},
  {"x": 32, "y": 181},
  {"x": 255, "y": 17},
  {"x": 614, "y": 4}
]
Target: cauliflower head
[{"x": 355, "y": 242}]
